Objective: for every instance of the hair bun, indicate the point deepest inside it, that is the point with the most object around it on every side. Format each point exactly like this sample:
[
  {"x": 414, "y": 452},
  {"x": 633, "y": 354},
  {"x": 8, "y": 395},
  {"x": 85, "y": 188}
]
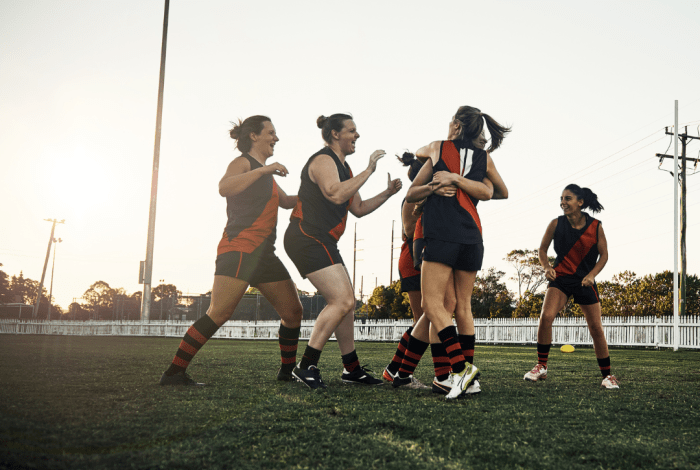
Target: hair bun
[
  {"x": 235, "y": 131},
  {"x": 407, "y": 158},
  {"x": 321, "y": 121}
]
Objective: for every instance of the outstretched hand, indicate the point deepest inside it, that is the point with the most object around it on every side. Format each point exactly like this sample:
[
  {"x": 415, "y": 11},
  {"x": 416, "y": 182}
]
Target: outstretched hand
[
  {"x": 374, "y": 158},
  {"x": 394, "y": 186}
]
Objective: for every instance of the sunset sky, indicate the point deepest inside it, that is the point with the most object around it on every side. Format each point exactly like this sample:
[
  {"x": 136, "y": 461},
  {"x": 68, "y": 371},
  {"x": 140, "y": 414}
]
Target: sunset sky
[{"x": 587, "y": 87}]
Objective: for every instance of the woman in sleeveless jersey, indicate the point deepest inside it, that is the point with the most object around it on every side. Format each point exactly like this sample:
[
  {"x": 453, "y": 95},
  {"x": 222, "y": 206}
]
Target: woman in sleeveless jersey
[
  {"x": 582, "y": 251},
  {"x": 327, "y": 193},
  {"x": 245, "y": 255},
  {"x": 452, "y": 229}
]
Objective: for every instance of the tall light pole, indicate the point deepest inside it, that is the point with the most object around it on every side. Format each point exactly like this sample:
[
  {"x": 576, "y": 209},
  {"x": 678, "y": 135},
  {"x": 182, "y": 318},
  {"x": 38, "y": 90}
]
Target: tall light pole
[
  {"x": 53, "y": 265},
  {"x": 46, "y": 262},
  {"x": 148, "y": 265}
]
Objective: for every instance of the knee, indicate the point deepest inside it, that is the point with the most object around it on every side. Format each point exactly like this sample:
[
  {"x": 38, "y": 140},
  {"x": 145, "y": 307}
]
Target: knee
[{"x": 347, "y": 305}]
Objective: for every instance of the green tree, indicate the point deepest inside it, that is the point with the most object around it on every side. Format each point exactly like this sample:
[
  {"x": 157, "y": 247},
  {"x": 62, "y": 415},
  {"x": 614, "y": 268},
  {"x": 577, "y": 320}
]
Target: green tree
[
  {"x": 388, "y": 302},
  {"x": 5, "y": 293},
  {"x": 529, "y": 273},
  {"x": 491, "y": 297}
]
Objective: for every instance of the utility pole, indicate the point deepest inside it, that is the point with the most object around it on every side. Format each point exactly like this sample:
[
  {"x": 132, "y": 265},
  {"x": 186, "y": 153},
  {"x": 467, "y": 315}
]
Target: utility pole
[
  {"x": 684, "y": 140},
  {"x": 148, "y": 265},
  {"x": 46, "y": 262},
  {"x": 391, "y": 265},
  {"x": 355, "y": 260},
  {"x": 53, "y": 265}
]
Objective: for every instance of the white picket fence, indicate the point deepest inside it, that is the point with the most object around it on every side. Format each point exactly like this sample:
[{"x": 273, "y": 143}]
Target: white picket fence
[{"x": 624, "y": 331}]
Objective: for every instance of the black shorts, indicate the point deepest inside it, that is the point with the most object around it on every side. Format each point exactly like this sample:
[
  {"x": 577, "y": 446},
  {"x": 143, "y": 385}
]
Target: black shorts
[
  {"x": 583, "y": 295},
  {"x": 259, "y": 267},
  {"x": 456, "y": 255},
  {"x": 310, "y": 253},
  {"x": 409, "y": 276}
]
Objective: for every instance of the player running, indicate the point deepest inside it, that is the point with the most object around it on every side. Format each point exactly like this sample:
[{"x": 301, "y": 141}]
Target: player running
[
  {"x": 246, "y": 252},
  {"x": 328, "y": 191},
  {"x": 452, "y": 229},
  {"x": 582, "y": 251}
]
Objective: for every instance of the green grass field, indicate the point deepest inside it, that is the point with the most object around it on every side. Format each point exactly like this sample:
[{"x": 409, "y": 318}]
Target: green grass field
[{"x": 95, "y": 402}]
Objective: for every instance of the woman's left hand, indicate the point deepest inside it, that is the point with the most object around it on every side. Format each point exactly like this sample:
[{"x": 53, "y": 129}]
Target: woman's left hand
[
  {"x": 394, "y": 186},
  {"x": 443, "y": 178},
  {"x": 588, "y": 281}
]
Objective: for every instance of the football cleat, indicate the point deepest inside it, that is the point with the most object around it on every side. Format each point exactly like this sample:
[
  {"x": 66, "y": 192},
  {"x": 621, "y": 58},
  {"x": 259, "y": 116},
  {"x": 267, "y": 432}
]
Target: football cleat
[
  {"x": 388, "y": 376},
  {"x": 310, "y": 377},
  {"x": 179, "y": 378},
  {"x": 539, "y": 372},
  {"x": 359, "y": 376},
  {"x": 474, "y": 388},
  {"x": 462, "y": 380},
  {"x": 442, "y": 387},
  {"x": 284, "y": 374},
  {"x": 610, "y": 382},
  {"x": 409, "y": 382}
]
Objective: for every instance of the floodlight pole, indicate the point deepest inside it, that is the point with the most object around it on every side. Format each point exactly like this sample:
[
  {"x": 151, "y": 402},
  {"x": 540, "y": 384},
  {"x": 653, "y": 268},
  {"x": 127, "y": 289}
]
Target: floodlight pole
[
  {"x": 148, "y": 268},
  {"x": 53, "y": 266},
  {"x": 35, "y": 312}
]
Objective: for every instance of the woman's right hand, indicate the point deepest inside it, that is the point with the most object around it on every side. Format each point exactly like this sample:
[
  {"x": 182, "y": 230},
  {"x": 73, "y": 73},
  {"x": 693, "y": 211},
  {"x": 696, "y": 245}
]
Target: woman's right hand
[
  {"x": 276, "y": 169},
  {"x": 374, "y": 158},
  {"x": 446, "y": 191}
]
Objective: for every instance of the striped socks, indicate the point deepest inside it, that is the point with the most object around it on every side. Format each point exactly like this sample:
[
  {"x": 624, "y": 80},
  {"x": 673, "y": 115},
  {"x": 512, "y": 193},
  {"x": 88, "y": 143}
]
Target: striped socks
[
  {"x": 288, "y": 339},
  {"x": 441, "y": 363},
  {"x": 543, "y": 353},
  {"x": 604, "y": 365},
  {"x": 351, "y": 361},
  {"x": 415, "y": 350},
  {"x": 310, "y": 357},
  {"x": 197, "y": 334},
  {"x": 467, "y": 342},
  {"x": 449, "y": 339},
  {"x": 400, "y": 351}
]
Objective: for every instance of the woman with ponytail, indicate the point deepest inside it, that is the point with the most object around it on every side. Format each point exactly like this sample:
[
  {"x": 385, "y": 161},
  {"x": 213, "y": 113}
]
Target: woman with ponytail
[
  {"x": 582, "y": 251},
  {"x": 452, "y": 232},
  {"x": 246, "y": 252},
  {"x": 327, "y": 193}
]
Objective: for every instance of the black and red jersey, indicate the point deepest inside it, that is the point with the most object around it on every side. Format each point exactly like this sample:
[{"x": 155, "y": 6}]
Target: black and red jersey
[
  {"x": 252, "y": 215},
  {"x": 577, "y": 249},
  {"x": 319, "y": 216},
  {"x": 455, "y": 219},
  {"x": 418, "y": 243}
]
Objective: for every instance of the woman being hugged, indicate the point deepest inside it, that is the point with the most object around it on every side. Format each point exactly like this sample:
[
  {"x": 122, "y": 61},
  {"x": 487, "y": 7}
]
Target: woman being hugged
[
  {"x": 452, "y": 229},
  {"x": 582, "y": 251},
  {"x": 327, "y": 193},
  {"x": 246, "y": 252}
]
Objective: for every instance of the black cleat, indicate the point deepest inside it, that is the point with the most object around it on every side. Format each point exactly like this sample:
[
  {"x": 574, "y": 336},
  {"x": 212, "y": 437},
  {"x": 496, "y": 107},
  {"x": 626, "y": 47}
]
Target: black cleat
[
  {"x": 310, "y": 377},
  {"x": 179, "y": 378},
  {"x": 285, "y": 375},
  {"x": 360, "y": 376}
]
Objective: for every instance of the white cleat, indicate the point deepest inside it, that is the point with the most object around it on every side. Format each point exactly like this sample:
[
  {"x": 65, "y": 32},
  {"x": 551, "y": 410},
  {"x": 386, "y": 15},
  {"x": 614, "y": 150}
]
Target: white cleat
[
  {"x": 473, "y": 389},
  {"x": 610, "y": 382},
  {"x": 539, "y": 372},
  {"x": 462, "y": 380}
]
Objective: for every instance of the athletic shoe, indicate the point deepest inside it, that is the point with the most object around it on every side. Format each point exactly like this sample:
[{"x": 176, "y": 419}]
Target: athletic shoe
[
  {"x": 474, "y": 388},
  {"x": 539, "y": 372},
  {"x": 388, "y": 376},
  {"x": 179, "y": 378},
  {"x": 442, "y": 387},
  {"x": 462, "y": 380},
  {"x": 409, "y": 382},
  {"x": 610, "y": 382},
  {"x": 359, "y": 376},
  {"x": 310, "y": 377},
  {"x": 285, "y": 375}
]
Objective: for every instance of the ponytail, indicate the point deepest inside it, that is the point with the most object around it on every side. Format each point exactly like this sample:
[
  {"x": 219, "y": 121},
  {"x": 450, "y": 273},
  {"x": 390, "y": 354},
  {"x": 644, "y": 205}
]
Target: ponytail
[
  {"x": 408, "y": 159},
  {"x": 472, "y": 121},
  {"x": 590, "y": 199}
]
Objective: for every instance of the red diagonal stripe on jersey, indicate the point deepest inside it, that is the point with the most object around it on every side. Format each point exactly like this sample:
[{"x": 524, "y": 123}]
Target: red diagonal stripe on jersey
[
  {"x": 450, "y": 155},
  {"x": 583, "y": 245},
  {"x": 251, "y": 238}
]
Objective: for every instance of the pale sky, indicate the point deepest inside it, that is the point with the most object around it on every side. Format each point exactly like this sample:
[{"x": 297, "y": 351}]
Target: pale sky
[{"x": 587, "y": 87}]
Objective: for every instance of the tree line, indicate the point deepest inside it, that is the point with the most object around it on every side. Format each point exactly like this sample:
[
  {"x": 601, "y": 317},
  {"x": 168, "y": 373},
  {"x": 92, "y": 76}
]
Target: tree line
[{"x": 626, "y": 294}]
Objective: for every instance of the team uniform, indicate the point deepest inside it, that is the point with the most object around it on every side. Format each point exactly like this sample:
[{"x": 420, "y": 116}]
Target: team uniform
[
  {"x": 577, "y": 254},
  {"x": 247, "y": 248},
  {"x": 408, "y": 274},
  {"x": 316, "y": 224},
  {"x": 451, "y": 225}
]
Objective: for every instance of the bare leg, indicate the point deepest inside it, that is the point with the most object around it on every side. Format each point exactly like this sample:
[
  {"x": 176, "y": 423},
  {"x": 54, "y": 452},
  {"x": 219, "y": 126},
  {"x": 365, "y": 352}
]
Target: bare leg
[
  {"x": 285, "y": 300},
  {"x": 464, "y": 285},
  {"x": 593, "y": 316},
  {"x": 434, "y": 278},
  {"x": 414, "y": 299},
  {"x": 225, "y": 296},
  {"x": 333, "y": 283},
  {"x": 554, "y": 301}
]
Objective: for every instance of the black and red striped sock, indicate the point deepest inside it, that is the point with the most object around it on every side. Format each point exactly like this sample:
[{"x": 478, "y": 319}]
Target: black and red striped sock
[
  {"x": 604, "y": 365},
  {"x": 415, "y": 350},
  {"x": 350, "y": 361},
  {"x": 289, "y": 340},
  {"x": 467, "y": 342},
  {"x": 311, "y": 357},
  {"x": 448, "y": 336},
  {"x": 543, "y": 353},
  {"x": 197, "y": 334},
  {"x": 441, "y": 363},
  {"x": 400, "y": 351}
]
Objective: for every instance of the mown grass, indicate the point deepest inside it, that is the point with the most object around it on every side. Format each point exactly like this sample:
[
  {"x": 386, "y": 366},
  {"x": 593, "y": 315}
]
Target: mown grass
[{"x": 95, "y": 402}]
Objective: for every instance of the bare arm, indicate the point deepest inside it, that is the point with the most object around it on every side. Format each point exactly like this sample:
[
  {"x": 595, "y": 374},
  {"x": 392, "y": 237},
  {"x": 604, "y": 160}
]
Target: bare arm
[
  {"x": 421, "y": 187},
  {"x": 477, "y": 189},
  {"x": 408, "y": 220},
  {"x": 500, "y": 191},
  {"x": 549, "y": 272},
  {"x": 603, "y": 251},
  {"x": 286, "y": 202},
  {"x": 360, "y": 208},
  {"x": 324, "y": 173},
  {"x": 239, "y": 176}
]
